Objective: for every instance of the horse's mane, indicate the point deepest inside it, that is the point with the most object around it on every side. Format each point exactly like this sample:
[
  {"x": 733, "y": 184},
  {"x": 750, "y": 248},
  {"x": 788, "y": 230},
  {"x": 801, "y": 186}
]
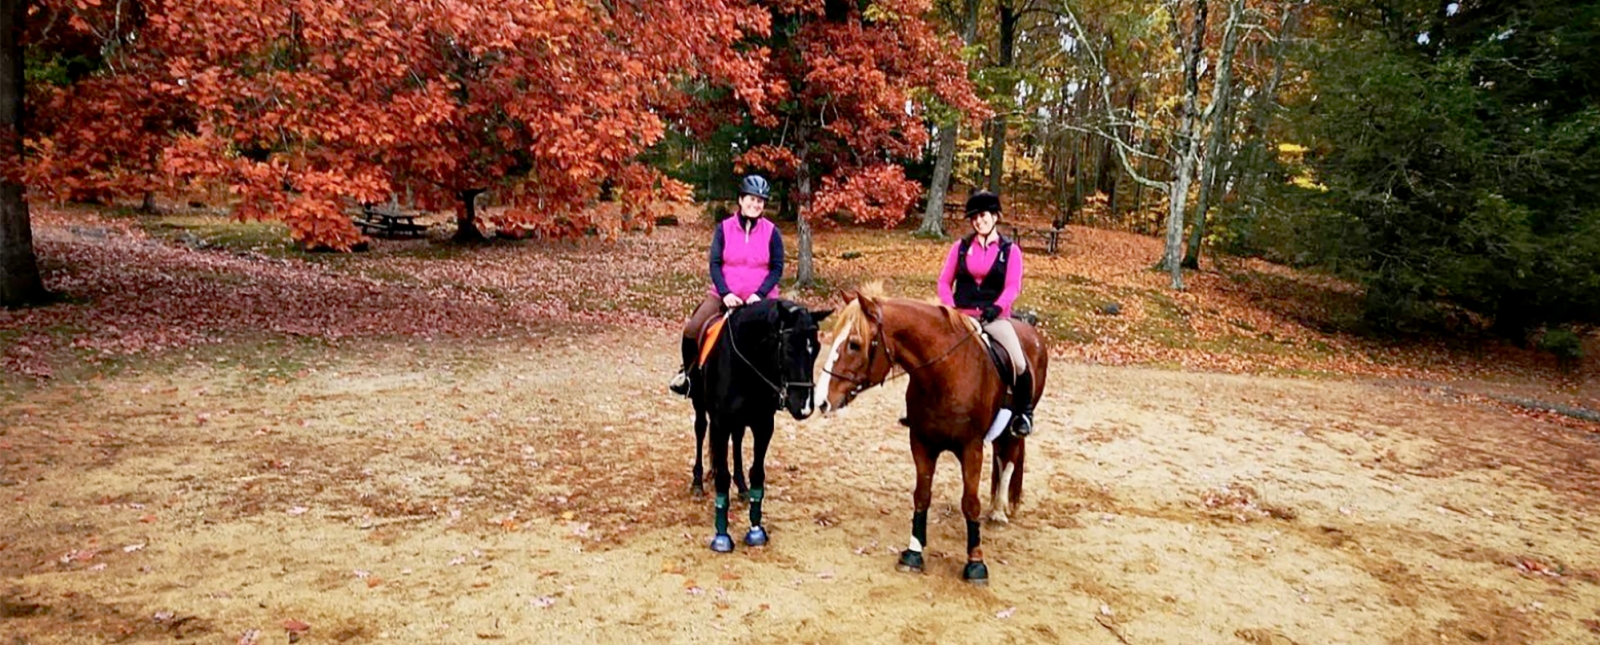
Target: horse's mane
[{"x": 852, "y": 318}]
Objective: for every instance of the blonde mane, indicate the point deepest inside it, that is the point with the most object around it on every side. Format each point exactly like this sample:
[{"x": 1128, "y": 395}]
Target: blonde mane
[{"x": 851, "y": 317}]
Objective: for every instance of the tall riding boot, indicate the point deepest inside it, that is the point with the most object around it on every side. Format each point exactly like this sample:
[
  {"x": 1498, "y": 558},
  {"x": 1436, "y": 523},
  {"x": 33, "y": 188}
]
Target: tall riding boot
[
  {"x": 680, "y": 381},
  {"x": 1022, "y": 405}
]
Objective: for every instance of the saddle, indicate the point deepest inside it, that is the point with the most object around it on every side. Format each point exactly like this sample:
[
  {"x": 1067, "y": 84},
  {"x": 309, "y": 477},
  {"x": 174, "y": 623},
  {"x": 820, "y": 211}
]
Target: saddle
[{"x": 998, "y": 354}]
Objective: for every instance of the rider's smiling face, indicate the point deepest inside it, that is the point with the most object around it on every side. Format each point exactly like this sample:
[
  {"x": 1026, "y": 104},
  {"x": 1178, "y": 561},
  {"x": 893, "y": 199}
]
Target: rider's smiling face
[
  {"x": 983, "y": 223},
  {"x": 751, "y": 206}
]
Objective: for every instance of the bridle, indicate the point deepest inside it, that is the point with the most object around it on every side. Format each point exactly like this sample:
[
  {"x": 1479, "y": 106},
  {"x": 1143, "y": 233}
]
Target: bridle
[
  {"x": 861, "y": 383},
  {"x": 782, "y": 387}
]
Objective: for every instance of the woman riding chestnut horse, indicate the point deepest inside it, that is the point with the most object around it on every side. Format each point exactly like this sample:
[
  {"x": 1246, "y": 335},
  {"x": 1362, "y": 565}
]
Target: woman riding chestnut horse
[{"x": 956, "y": 398}]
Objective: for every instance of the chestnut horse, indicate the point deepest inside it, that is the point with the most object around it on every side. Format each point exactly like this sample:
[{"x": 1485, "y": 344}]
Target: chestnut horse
[
  {"x": 761, "y": 362},
  {"x": 951, "y": 400}
]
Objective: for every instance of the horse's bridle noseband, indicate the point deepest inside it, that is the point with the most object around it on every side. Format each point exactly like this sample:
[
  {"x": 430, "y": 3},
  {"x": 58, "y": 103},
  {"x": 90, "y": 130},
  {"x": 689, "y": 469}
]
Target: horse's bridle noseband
[
  {"x": 782, "y": 387},
  {"x": 878, "y": 338}
]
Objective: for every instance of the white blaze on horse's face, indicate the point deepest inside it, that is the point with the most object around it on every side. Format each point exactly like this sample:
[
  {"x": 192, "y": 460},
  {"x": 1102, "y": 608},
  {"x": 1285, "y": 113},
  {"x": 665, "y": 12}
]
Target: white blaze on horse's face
[{"x": 830, "y": 403}]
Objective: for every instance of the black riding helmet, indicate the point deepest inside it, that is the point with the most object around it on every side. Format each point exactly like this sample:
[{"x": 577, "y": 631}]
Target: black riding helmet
[
  {"x": 755, "y": 185},
  {"x": 981, "y": 202}
]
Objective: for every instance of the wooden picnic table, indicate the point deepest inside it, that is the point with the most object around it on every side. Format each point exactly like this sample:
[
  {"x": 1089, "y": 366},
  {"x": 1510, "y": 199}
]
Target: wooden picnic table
[{"x": 382, "y": 222}]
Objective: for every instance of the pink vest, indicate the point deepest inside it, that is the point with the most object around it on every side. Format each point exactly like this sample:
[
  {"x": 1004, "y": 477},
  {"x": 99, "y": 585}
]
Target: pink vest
[{"x": 745, "y": 263}]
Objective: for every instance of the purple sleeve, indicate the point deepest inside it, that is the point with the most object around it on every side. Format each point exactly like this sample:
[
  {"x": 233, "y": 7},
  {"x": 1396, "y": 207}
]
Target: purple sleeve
[
  {"x": 774, "y": 264},
  {"x": 716, "y": 262},
  {"x": 1013, "y": 281},
  {"x": 947, "y": 277}
]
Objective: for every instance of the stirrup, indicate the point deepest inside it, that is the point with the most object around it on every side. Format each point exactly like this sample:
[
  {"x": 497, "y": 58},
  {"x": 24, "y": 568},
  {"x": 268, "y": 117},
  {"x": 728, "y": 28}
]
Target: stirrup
[
  {"x": 680, "y": 384},
  {"x": 1022, "y": 425}
]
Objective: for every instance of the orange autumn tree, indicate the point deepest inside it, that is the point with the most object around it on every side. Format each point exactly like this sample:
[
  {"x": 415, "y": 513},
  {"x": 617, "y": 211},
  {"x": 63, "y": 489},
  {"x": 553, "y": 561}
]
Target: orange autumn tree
[
  {"x": 304, "y": 106},
  {"x": 852, "y": 84},
  {"x": 99, "y": 120}
]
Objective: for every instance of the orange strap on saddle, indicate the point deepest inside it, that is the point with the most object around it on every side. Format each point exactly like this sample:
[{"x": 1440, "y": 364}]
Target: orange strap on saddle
[{"x": 708, "y": 338}]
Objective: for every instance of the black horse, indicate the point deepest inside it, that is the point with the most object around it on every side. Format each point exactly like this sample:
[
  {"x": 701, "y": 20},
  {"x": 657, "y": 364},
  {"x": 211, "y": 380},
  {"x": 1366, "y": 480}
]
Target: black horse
[{"x": 762, "y": 361}]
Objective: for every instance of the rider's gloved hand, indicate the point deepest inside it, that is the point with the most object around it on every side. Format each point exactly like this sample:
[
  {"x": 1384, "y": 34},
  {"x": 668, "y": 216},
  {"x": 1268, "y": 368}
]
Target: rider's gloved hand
[{"x": 990, "y": 313}]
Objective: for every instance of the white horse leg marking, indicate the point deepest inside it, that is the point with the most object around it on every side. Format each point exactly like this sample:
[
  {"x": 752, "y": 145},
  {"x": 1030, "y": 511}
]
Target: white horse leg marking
[{"x": 1002, "y": 496}]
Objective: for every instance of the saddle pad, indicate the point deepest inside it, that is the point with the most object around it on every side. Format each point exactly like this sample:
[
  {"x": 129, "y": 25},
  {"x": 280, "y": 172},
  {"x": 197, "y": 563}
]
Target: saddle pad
[{"x": 708, "y": 339}]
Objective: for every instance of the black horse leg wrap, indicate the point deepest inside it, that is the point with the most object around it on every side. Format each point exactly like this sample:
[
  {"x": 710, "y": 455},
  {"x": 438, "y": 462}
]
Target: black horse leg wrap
[
  {"x": 972, "y": 536},
  {"x": 919, "y": 528},
  {"x": 755, "y": 505},
  {"x": 722, "y": 514}
]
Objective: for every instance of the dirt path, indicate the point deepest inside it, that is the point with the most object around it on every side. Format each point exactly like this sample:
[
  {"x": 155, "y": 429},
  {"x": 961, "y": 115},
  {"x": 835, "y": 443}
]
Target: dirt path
[{"x": 537, "y": 492}]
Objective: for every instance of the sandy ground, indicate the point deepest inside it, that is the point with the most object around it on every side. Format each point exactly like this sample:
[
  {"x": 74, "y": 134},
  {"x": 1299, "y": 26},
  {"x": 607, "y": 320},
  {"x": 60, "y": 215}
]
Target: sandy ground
[{"x": 537, "y": 491}]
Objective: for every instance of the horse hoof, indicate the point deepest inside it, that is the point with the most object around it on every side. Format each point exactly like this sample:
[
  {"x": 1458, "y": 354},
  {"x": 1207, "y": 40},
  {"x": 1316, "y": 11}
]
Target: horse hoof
[
  {"x": 756, "y": 537},
  {"x": 744, "y": 496},
  {"x": 722, "y": 544},
  {"x": 976, "y": 573},
  {"x": 910, "y": 562},
  {"x": 697, "y": 491}
]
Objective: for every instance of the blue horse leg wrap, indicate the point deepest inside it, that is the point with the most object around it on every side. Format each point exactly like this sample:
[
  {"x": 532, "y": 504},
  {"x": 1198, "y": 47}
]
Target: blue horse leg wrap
[
  {"x": 722, "y": 514},
  {"x": 919, "y": 528},
  {"x": 755, "y": 505},
  {"x": 972, "y": 536}
]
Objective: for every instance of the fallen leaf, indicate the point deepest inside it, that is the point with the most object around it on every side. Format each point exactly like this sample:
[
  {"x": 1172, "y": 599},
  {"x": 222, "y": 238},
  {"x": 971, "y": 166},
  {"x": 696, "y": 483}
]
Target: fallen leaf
[
  {"x": 1006, "y": 613},
  {"x": 250, "y": 637},
  {"x": 296, "y": 626},
  {"x": 132, "y": 547},
  {"x": 543, "y": 602},
  {"x": 297, "y": 510}
]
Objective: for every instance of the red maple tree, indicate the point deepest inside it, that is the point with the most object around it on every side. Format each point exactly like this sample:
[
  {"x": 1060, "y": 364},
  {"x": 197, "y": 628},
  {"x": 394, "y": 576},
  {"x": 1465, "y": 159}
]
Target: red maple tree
[
  {"x": 851, "y": 84},
  {"x": 302, "y": 108}
]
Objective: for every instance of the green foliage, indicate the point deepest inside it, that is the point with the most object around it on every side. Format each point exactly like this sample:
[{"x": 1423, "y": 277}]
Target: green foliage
[
  {"x": 1566, "y": 344},
  {"x": 54, "y": 68},
  {"x": 1460, "y": 168}
]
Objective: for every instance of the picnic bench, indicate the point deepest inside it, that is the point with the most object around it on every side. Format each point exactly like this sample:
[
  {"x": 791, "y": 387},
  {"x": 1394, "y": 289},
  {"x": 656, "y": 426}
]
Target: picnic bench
[
  {"x": 383, "y": 222},
  {"x": 1050, "y": 237}
]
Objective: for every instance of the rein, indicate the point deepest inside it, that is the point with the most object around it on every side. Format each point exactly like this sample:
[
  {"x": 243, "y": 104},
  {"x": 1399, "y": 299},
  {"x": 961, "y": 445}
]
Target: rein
[
  {"x": 782, "y": 391},
  {"x": 880, "y": 339}
]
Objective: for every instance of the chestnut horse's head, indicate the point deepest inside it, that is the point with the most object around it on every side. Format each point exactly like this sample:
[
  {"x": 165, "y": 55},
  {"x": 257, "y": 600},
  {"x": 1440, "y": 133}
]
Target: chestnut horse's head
[{"x": 859, "y": 357}]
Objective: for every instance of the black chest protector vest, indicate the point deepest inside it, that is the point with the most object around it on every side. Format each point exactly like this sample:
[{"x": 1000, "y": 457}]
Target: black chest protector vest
[{"x": 971, "y": 294}]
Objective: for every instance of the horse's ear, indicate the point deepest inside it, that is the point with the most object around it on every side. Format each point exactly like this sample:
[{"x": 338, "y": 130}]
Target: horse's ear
[
  {"x": 819, "y": 315},
  {"x": 848, "y": 296},
  {"x": 869, "y": 306}
]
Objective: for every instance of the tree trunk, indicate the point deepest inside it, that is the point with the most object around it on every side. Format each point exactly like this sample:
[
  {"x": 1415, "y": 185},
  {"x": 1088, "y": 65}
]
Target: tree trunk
[
  {"x": 1221, "y": 131},
  {"x": 949, "y": 136},
  {"x": 467, "y": 221},
  {"x": 933, "y": 214},
  {"x": 997, "y": 126},
  {"x": 1262, "y": 108},
  {"x": 19, "y": 268},
  {"x": 1187, "y": 150},
  {"x": 805, "y": 271}
]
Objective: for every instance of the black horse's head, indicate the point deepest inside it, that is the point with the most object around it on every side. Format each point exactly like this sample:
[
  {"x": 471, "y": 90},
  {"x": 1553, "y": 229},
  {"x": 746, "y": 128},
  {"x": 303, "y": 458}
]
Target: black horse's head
[{"x": 789, "y": 353}]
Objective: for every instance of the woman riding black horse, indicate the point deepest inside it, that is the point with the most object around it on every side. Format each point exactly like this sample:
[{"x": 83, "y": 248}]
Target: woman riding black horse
[{"x": 761, "y": 361}]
